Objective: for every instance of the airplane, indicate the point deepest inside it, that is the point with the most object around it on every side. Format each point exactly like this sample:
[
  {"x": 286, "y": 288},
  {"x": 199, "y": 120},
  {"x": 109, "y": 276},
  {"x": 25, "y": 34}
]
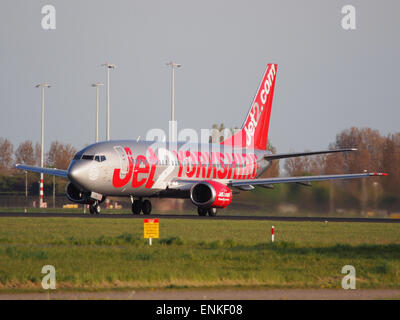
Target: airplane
[{"x": 207, "y": 174}]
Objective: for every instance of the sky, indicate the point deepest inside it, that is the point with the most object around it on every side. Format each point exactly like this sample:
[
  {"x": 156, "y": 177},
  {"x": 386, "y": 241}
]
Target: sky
[{"x": 328, "y": 78}]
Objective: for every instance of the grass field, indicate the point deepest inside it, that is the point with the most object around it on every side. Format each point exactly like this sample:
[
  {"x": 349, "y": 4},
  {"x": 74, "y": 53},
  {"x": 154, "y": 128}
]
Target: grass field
[{"x": 95, "y": 254}]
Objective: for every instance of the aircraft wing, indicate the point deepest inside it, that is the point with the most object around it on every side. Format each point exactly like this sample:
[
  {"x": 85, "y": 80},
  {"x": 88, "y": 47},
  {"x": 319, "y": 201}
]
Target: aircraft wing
[
  {"x": 302, "y": 180},
  {"x": 300, "y": 154},
  {"x": 54, "y": 172}
]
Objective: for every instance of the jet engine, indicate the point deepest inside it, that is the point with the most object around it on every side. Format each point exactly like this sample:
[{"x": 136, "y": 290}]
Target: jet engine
[
  {"x": 210, "y": 194},
  {"x": 74, "y": 194}
]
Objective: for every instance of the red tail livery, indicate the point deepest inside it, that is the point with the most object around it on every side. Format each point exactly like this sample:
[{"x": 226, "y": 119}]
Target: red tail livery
[{"x": 254, "y": 132}]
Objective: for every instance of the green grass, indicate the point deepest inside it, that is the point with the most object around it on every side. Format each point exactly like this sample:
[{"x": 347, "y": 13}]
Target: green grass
[{"x": 95, "y": 254}]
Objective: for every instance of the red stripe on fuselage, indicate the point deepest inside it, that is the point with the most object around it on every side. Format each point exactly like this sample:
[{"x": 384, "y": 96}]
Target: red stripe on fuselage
[{"x": 207, "y": 165}]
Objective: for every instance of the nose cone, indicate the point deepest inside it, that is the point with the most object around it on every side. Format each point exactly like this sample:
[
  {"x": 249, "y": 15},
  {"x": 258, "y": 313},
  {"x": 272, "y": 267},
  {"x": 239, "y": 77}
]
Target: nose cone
[{"x": 76, "y": 172}]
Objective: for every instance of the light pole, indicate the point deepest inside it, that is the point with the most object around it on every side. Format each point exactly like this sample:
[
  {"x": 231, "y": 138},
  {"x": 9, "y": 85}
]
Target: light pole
[
  {"x": 172, "y": 126},
  {"x": 26, "y": 191},
  {"x": 54, "y": 191},
  {"x": 108, "y": 67},
  {"x": 97, "y": 85},
  {"x": 42, "y": 85}
]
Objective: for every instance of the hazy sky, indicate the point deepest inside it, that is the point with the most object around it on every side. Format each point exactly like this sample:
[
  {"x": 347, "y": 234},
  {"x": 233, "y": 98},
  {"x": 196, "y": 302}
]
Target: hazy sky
[{"x": 328, "y": 78}]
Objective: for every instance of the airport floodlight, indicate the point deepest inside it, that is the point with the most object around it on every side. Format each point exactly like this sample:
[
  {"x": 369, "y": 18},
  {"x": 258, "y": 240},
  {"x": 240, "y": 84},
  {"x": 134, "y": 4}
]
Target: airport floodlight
[
  {"x": 173, "y": 65},
  {"x": 43, "y": 86},
  {"x": 109, "y": 65}
]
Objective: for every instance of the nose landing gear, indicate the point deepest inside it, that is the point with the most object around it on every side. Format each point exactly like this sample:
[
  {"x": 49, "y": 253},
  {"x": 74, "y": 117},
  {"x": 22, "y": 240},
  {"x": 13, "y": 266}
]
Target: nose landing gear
[{"x": 94, "y": 208}]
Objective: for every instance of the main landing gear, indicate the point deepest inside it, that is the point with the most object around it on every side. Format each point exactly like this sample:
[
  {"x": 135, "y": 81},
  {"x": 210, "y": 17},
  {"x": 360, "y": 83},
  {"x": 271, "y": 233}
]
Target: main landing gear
[
  {"x": 212, "y": 212},
  {"x": 94, "y": 208},
  {"x": 141, "y": 206}
]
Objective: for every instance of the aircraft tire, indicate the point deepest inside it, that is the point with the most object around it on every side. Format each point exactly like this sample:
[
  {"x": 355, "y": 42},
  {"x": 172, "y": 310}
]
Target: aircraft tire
[
  {"x": 97, "y": 209},
  {"x": 212, "y": 212},
  {"x": 146, "y": 207},
  {"x": 136, "y": 207},
  {"x": 201, "y": 211},
  {"x": 94, "y": 209}
]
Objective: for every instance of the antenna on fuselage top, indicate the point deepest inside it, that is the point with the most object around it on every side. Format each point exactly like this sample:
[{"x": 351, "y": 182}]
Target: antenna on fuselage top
[{"x": 138, "y": 138}]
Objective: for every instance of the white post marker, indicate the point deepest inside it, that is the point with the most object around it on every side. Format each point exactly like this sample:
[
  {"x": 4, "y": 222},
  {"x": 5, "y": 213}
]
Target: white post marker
[{"x": 272, "y": 234}]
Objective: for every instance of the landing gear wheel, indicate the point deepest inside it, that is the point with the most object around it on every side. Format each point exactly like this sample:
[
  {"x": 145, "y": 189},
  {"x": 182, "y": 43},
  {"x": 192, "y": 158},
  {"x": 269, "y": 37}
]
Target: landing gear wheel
[
  {"x": 146, "y": 207},
  {"x": 212, "y": 212},
  {"x": 136, "y": 207},
  {"x": 202, "y": 211},
  {"x": 94, "y": 209}
]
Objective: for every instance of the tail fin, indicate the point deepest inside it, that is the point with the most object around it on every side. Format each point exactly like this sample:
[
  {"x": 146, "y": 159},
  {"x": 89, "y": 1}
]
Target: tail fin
[{"x": 254, "y": 132}]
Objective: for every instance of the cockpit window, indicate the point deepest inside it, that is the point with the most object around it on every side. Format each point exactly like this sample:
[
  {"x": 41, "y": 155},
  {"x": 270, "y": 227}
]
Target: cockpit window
[
  {"x": 78, "y": 156},
  {"x": 100, "y": 158}
]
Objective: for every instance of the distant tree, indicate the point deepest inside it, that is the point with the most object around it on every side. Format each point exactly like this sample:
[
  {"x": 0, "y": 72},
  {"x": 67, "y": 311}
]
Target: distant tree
[
  {"x": 25, "y": 153},
  {"x": 391, "y": 164},
  {"x": 219, "y": 133},
  {"x": 369, "y": 157},
  {"x": 37, "y": 154},
  {"x": 60, "y": 155},
  {"x": 6, "y": 156},
  {"x": 273, "y": 170},
  {"x": 298, "y": 166},
  {"x": 369, "y": 144}
]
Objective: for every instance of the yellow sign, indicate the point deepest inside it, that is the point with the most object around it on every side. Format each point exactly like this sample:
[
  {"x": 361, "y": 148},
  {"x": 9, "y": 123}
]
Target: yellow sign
[{"x": 151, "y": 229}]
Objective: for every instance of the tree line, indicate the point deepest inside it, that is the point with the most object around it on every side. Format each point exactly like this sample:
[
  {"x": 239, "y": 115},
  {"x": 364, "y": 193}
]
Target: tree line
[
  {"x": 13, "y": 180},
  {"x": 375, "y": 153}
]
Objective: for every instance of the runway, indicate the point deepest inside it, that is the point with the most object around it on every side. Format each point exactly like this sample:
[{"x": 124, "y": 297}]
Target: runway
[{"x": 193, "y": 216}]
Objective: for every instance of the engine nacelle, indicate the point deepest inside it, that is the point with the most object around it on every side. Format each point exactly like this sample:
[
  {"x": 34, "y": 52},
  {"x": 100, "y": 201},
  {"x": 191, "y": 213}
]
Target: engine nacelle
[
  {"x": 210, "y": 194},
  {"x": 74, "y": 194}
]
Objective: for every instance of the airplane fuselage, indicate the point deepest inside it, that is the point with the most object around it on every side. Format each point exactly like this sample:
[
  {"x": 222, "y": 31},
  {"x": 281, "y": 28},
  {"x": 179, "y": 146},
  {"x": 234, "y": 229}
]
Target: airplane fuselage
[{"x": 148, "y": 169}]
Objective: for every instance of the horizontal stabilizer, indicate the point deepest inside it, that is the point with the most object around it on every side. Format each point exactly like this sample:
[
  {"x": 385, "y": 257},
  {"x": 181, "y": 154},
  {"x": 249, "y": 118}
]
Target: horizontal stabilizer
[{"x": 301, "y": 154}]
